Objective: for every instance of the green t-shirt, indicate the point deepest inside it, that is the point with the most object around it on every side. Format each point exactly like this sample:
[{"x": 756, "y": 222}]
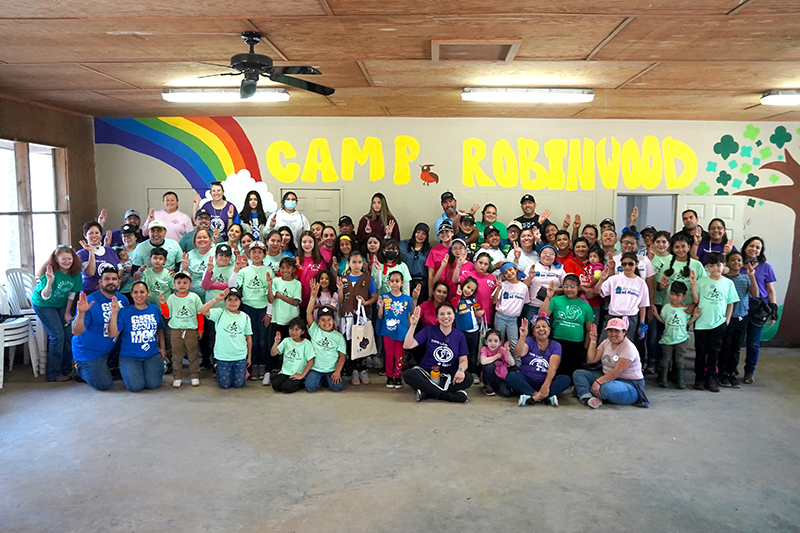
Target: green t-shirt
[
  {"x": 569, "y": 317},
  {"x": 283, "y": 312},
  {"x": 272, "y": 263},
  {"x": 677, "y": 275},
  {"x": 381, "y": 280},
  {"x": 63, "y": 286},
  {"x": 715, "y": 295},
  {"x": 327, "y": 345},
  {"x": 660, "y": 264},
  {"x": 219, "y": 275},
  {"x": 231, "y": 329},
  {"x": 157, "y": 283},
  {"x": 183, "y": 311},
  {"x": 253, "y": 282},
  {"x": 676, "y": 322},
  {"x": 295, "y": 355},
  {"x": 141, "y": 255},
  {"x": 198, "y": 263}
]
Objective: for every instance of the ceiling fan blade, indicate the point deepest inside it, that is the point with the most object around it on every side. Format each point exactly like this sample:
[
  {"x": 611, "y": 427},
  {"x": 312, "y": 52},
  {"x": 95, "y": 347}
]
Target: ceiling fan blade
[
  {"x": 213, "y": 64},
  {"x": 216, "y": 75},
  {"x": 302, "y": 84},
  {"x": 298, "y": 71}
]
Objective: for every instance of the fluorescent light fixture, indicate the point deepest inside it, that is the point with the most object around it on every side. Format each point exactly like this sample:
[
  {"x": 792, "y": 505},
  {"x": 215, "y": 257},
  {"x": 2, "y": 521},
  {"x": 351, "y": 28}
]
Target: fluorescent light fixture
[
  {"x": 222, "y": 95},
  {"x": 526, "y": 96},
  {"x": 781, "y": 97}
]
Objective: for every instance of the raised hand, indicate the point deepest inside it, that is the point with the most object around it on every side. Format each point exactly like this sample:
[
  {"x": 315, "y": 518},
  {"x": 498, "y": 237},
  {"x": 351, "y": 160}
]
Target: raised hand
[
  {"x": 577, "y": 223},
  {"x": 692, "y": 277},
  {"x": 537, "y": 235},
  {"x": 230, "y": 212},
  {"x": 114, "y": 304},
  {"x": 663, "y": 283},
  {"x": 48, "y": 273},
  {"x": 107, "y": 238},
  {"x": 610, "y": 263},
  {"x": 750, "y": 269},
  {"x": 551, "y": 289},
  {"x": 210, "y": 266},
  {"x": 185, "y": 261},
  {"x": 523, "y": 329},
  {"x": 83, "y": 304},
  {"x": 593, "y": 332},
  {"x": 417, "y": 290},
  {"x": 196, "y": 200},
  {"x": 728, "y": 247},
  {"x": 415, "y": 317},
  {"x": 151, "y": 215},
  {"x": 697, "y": 236},
  {"x": 567, "y": 220},
  {"x": 272, "y": 220},
  {"x": 102, "y": 218},
  {"x": 634, "y": 216},
  {"x": 277, "y": 337},
  {"x": 474, "y": 209},
  {"x": 339, "y": 284},
  {"x": 390, "y": 227},
  {"x": 517, "y": 252},
  {"x": 86, "y": 246},
  {"x": 215, "y": 236},
  {"x": 544, "y": 216},
  {"x": 268, "y": 276},
  {"x": 314, "y": 288},
  {"x": 368, "y": 228},
  {"x": 161, "y": 299},
  {"x": 221, "y": 296}
]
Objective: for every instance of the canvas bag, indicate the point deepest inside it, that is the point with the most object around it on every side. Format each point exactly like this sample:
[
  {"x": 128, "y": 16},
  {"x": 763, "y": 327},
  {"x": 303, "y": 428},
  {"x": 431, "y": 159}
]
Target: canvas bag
[{"x": 363, "y": 335}]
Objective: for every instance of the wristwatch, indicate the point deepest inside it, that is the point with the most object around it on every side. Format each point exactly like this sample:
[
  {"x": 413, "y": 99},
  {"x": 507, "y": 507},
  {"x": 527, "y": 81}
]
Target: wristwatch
[{"x": 464, "y": 370}]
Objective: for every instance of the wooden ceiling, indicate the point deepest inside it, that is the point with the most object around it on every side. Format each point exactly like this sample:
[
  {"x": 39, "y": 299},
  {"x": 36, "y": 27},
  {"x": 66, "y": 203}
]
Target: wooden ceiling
[{"x": 646, "y": 59}]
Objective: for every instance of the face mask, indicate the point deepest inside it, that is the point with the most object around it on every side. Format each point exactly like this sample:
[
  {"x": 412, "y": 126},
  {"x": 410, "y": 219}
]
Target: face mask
[
  {"x": 391, "y": 256},
  {"x": 290, "y": 204}
]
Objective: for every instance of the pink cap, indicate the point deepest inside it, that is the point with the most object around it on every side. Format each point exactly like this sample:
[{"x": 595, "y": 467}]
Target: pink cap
[{"x": 618, "y": 323}]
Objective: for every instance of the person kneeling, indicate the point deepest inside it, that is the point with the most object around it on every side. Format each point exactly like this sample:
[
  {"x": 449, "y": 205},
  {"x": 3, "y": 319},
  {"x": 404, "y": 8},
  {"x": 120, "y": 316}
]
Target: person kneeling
[
  {"x": 298, "y": 357},
  {"x": 329, "y": 346}
]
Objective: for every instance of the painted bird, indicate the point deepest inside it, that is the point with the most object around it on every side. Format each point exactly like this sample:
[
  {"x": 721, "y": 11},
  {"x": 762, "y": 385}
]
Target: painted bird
[{"x": 427, "y": 176}]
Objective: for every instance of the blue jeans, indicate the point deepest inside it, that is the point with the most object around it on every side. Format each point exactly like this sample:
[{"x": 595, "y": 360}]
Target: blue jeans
[
  {"x": 141, "y": 373},
  {"x": 59, "y": 348},
  {"x": 753, "y": 344},
  {"x": 655, "y": 330},
  {"x": 491, "y": 380},
  {"x": 231, "y": 373},
  {"x": 617, "y": 392},
  {"x": 508, "y": 325},
  {"x": 529, "y": 311},
  {"x": 314, "y": 379},
  {"x": 522, "y": 384},
  {"x": 96, "y": 373},
  {"x": 261, "y": 335},
  {"x": 473, "y": 339}
]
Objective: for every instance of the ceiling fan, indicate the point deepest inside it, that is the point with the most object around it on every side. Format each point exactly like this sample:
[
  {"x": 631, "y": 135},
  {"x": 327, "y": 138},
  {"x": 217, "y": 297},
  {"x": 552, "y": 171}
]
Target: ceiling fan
[{"x": 253, "y": 65}]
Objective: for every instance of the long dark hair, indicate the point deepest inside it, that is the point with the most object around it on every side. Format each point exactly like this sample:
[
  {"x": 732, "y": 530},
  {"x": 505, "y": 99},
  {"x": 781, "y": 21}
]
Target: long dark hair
[
  {"x": 685, "y": 270},
  {"x": 316, "y": 256},
  {"x": 246, "y": 209},
  {"x": 385, "y": 215},
  {"x": 725, "y": 234},
  {"x": 365, "y": 251},
  {"x": 762, "y": 258},
  {"x": 635, "y": 258}
]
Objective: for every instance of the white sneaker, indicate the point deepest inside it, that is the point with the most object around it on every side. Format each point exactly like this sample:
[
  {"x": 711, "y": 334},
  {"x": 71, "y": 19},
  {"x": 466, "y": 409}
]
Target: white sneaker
[
  {"x": 594, "y": 402},
  {"x": 364, "y": 377},
  {"x": 354, "y": 379},
  {"x": 176, "y": 383},
  {"x": 195, "y": 382},
  {"x": 267, "y": 381}
]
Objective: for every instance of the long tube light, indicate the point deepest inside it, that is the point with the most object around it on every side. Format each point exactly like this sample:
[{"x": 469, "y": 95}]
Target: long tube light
[
  {"x": 526, "y": 95},
  {"x": 781, "y": 97},
  {"x": 222, "y": 95}
]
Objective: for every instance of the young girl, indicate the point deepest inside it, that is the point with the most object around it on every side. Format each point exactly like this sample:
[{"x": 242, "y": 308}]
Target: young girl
[
  {"x": 325, "y": 288},
  {"x": 274, "y": 253},
  {"x": 344, "y": 245},
  {"x": 316, "y": 228},
  {"x": 468, "y": 320},
  {"x": 596, "y": 263},
  {"x": 453, "y": 265},
  {"x": 284, "y": 294},
  {"x": 235, "y": 233},
  {"x": 59, "y": 282},
  {"x": 679, "y": 267},
  {"x": 298, "y": 357},
  {"x": 373, "y": 255},
  {"x": 252, "y": 282},
  {"x": 287, "y": 241},
  {"x": 244, "y": 246},
  {"x": 510, "y": 296},
  {"x": 628, "y": 295},
  {"x": 252, "y": 215},
  {"x": 676, "y": 320},
  {"x": 496, "y": 361},
  {"x": 330, "y": 351},
  {"x": 392, "y": 263},
  {"x": 126, "y": 267},
  {"x": 393, "y": 311},
  {"x": 309, "y": 265},
  {"x": 234, "y": 337},
  {"x": 357, "y": 286},
  {"x": 486, "y": 283}
]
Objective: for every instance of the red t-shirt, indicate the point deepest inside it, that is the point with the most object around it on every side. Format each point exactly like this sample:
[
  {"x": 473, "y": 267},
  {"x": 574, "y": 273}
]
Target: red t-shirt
[{"x": 582, "y": 270}]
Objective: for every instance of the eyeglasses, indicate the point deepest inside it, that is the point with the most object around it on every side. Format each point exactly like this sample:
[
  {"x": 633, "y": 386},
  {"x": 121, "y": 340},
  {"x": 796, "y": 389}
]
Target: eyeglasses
[
  {"x": 569, "y": 286},
  {"x": 717, "y": 227},
  {"x": 628, "y": 264},
  {"x": 628, "y": 243}
]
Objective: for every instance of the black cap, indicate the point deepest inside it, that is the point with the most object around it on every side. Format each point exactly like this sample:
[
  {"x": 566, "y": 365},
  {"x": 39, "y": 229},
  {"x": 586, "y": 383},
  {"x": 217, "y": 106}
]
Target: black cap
[
  {"x": 128, "y": 229},
  {"x": 345, "y": 220},
  {"x": 326, "y": 310},
  {"x": 202, "y": 212},
  {"x": 527, "y": 198},
  {"x": 447, "y": 195},
  {"x": 224, "y": 249},
  {"x": 467, "y": 218},
  {"x": 446, "y": 225},
  {"x": 421, "y": 226},
  {"x": 608, "y": 221},
  {"x": 488, "y": 230},
  {"x": 650, "y": 229},
  {"x": 234, "y": 291}
]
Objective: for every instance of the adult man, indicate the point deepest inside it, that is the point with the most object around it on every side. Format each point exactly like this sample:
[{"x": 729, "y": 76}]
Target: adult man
[
  {"x": 158, "y": 233},
  {"x": 91, "y": 344},
  {"x": 346, "y": 226},
  {"x": 451, "y": 212},
  {"x": 529, "y": 219},
  {"x": 131, "y": 219},
  {"x": 690, "y": 225},
  {"x": 201, "y": 220}
]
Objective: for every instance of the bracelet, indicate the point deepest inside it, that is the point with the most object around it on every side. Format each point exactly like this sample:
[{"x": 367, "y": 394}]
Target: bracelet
[{"x": 598, "y": 382}]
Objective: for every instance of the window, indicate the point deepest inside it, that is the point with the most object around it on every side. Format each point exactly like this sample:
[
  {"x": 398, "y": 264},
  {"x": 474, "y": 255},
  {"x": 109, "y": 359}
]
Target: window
[{"x": 33, "y": 209}]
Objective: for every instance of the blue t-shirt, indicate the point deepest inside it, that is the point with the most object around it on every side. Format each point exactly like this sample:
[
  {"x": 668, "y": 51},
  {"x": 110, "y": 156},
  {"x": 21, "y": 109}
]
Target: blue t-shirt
[
  {"x": 465, "y": 314},
  {"x": 395, "y": 315},
  {"x": 255, "y": 225},
  {"x": 353, "y": 280},
  {"x": 139, "y": 331},
  {"x": 536, "y": 363},
  {"x": 742, "y": 283},
  {"x": 441, "y": 350},
  {"x": 94, "y": 343}
]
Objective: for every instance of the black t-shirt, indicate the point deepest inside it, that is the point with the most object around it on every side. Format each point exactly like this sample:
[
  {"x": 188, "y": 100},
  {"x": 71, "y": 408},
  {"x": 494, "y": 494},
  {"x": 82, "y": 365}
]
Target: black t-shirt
[{"x": 528, "y": 223}]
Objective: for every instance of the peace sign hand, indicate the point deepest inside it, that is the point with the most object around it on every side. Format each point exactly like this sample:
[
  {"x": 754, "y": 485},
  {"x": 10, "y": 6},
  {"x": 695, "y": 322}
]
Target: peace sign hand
[
  {"x": 577, "y": 223},
  {"x": 210, "y": 266},
  {"x": 567, "y": 220},
  {"x": 48, "y": 273},
  {"x": 544, "y": 216},
  {"x": 185, "y": 261},
  {"x": 523, "y": 328},
  {"x": 390, "y": 228}
]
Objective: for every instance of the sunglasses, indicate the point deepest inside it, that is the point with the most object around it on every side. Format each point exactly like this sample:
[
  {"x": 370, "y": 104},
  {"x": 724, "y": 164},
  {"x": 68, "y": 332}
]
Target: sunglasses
[{"x": 628, "y": 264}]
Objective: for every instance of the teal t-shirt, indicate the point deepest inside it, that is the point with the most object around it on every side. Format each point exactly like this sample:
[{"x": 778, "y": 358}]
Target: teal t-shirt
[
  {"x": 283, "y": 312},
  {"x": 230, "y": 343},
  {"x": 219, "y": 275},
  {"x": 157, "y": 283},
  {"x": 272, "y": 263},
  {"x": 295, "y": 355},
  {"x": 715, "y": 295},
  {"x": 141, "y": 255},
  {"x": 63, "y": 286},
  {"x": 198, "y": 263},
  {"x": 327, "y": 345},
  {"x": 183, "y": 311},
  {"x": 381, "y": 278},
  {"x": 677, "y": 275},
  {"x": 676, "y": 322},
  {"x": 569, "y": 316},
  {"x": 253, "y": 282}
]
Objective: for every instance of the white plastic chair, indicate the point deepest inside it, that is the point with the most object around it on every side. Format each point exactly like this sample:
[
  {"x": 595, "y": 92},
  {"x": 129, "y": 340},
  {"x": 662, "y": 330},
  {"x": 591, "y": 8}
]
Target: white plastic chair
[
  {"x": 15, "y": 332},
  {"x": 20, "y": 285}
]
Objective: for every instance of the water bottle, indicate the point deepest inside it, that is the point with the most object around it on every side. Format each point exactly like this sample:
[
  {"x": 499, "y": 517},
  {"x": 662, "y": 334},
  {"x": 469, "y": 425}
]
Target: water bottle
[{"x": 435, "y": 372}]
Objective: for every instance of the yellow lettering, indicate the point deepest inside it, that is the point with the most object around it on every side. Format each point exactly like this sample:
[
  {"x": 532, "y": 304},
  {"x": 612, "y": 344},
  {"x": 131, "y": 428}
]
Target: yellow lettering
[
  {"x": 504, "y": 164},
  {"x": 285, "y": 174},
  {"x": 527, "y": 150},
  {"x": 474, "y": 150},
  {"x": 352, "y": 153},
  {"x": 318, "y": 159},
  {"x": 406, "y": 150},
  {"x": 678, "y": 150},
  {"x": 580, "y": 171},
  {"x": 556, "y": 150},
  {"x": 644, "y": 170},
  {"x": 609, "y": 168}
]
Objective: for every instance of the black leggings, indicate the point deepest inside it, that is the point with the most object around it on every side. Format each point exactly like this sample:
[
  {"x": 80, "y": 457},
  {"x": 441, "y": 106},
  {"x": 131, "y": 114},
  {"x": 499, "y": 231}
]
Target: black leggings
[
  {"x": 283, "y": 383},
  {"x": 420, "y": 379}
]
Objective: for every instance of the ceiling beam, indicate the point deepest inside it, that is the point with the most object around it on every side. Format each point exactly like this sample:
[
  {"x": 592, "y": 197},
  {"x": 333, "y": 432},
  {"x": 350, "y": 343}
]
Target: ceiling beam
[
  {"x": 639, "y": 75},
  {"x": 611, "y": 35},
  {"x": 742, "y": 5}
]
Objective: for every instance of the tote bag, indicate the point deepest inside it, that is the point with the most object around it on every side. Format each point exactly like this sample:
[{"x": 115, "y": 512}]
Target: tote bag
[{"x": 363, "y": 335}]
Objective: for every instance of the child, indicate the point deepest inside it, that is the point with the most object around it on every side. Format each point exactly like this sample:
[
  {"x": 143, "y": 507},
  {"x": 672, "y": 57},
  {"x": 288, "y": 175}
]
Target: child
[
  {"x": 737, "y": 328},
  {"x": 234, "y": 337},
  {"x": 326, "y": 294},
  {"x": 252, "y": 281},
  {"x": 157, "y": 278},
  {"x": 298, "y": 357},
  {"x": 357, "y": 286},
  {"x": 215, "y": 280},
  {"x": 126, "y": 267},
  {"x": 509, "y": 297},
  {"x": 284, "y": 295},
  {"x": 717, "y": 294},
  {"x": 186, "y": 328},
  {"x": 344, "y": 245},
  {"x": 486, "y": 283},
  {"x": 329, "y": 347},
  {"x": 393, "y": 312},
  {"x": 596, "y": 264},
  {"x": 390, "y": 249},
  {"x": 468, "y": 320},
  {"x": 496, "y": 361},
  {"x": 309, "y": 264},
  {"x": 675, "y": 339}
]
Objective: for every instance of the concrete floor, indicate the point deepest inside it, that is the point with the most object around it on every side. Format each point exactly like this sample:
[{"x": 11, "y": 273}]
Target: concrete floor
[{"x": 370, "y": 459}]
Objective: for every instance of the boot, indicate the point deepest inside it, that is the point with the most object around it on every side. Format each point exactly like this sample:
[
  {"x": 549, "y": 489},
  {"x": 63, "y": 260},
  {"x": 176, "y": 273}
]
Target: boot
[
  {"x": 680, "y": 383},
  {"x": 673, "y": 373},
  {"x": 662, "y": 377}
]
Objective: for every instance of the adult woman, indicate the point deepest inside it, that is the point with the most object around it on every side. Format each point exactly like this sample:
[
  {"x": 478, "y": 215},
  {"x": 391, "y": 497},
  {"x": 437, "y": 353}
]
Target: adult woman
[
  {"x": 287, "y": 241},
  {"x": 538, "y": 278},
  {"x": 590, "y": 234},
  {"x": 442, "y": 372},
  {"x": 52, "y": 298},
  {"x": 578, "y": 264},
  {"x": 142, "y": 348},
  {"x": 288, "y": 215},
  {"x": 717, "y": 241},
  {"x": 621, "y": 381},
  {"x": 754, "y": 254},
  {"x": 571, "y": 318},
  {"x": 223, "y": 213},
  {"x": 522, "y": 253},
  {"x": 490, "y": 219},
  {"x": 177, "y": 222},
  {"x": 538, "y": 379},
  {"x": 439, "y": 294},
  {"x": 94, "y": 256},
  {"x": 235, "y": 232},
  {"x": 628, "y": 293},
  {"x": 328, "y": 245},
  {"x": 548, "y": 236},
  {"x": 252, "y": 216},
  {"x": 379, "y": 220},
  {"x": 195, "y": 262},
  {"x": 344, "y": 245},
  {"x": 415, "y": 252}
]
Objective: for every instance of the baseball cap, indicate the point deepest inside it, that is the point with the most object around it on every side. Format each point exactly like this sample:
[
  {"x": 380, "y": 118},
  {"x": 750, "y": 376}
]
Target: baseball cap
[
  {"x": 650, "y": 229},
  {"x": 462, "y": 241},
  {"x": 468, "y": 218},
  {"x": 182, "y": 275},
  {"x": 127, "y": 229},
  {"x": 447, "y": 195},
  {"x": 488, "y": 230},
  {"x": 608, "y": 221},
  {"x": 224, "y": 249},
  {"x": 326, "y": 310},
  {"x": 345, "y": 220},
  {"x": 202, "y": 212},
  {"x": 527, "y": 198},
  {"x": 445, "y": 226},
  {"x": 157, "y": 224},
  {"x": 618, "y": 323},
  {"x": 515, "y": 224},
  {"x": 257, "y": 244},
  {"x": 132, "y": 213},
  {"x": 421, "y": 226},
  {"x": 234, "y": 291}
]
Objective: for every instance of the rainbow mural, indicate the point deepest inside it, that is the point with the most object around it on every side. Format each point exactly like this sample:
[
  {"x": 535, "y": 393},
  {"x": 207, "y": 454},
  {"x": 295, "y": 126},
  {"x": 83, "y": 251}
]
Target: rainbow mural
[{"x": 203, "y": 149}]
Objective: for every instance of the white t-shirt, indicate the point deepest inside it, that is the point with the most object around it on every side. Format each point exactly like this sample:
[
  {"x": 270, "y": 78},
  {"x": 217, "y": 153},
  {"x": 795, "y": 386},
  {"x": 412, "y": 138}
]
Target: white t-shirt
[
  {"x": 512, "y": 297},
  {"x": 626, "y": 350},
  {"x": 296, "y": 221},
  {"x": 526, "y": 259},
  {"x": 627, "y": 294},
  {"x": 541, "y": 276},
  {"x": 645, "y": 265},
  {"x": 178, "y": 223}
]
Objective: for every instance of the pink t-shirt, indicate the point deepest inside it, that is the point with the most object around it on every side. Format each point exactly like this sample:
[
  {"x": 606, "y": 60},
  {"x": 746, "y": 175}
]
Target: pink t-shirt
[
  {"x": 626, "y": 350},
  {"x": 435, "y": 256},
  {"x": 327, "y": 298},
  {"x": 427, "y": 314},
  {"x": 512, "y": 297},
  {"x": 327, "y": 255},
  {"x": 178, "y": 223},
  {"x": 310, "y": 269},
  {"x": 627, "y": 295},
  {"x": 541, "y": 276},
  {"x": 486, "y": 285},
  {"x": 447, "y": 277}
]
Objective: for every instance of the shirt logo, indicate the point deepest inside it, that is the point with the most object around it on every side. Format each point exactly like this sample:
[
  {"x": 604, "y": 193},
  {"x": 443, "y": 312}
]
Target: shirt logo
[{"x": 443, "y": 354}]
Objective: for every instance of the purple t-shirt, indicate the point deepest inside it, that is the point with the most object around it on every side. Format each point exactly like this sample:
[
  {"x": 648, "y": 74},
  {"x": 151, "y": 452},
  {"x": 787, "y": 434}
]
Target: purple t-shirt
[
  {"x": 536, "y": 362},
  {"x": 763, "y": 274},
  {"x": 103, "y": 255},
  {"x": 706, "y": 247},
  {"x": 441, "y": 350}
]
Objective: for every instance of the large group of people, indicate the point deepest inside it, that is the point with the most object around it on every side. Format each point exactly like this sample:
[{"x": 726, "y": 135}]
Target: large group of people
[{"x": 525, "y": 309}]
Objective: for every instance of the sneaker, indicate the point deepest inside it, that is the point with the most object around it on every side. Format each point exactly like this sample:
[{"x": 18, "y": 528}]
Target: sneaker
[
  {"x": 365, "y": 377},
  {"x": 698, "y": 384},
  {"x": 176, "y": 383},
  {"x": 195, "y": 382},
  {"x": 734, "y": 382},
  {"x": 712, "y": 384},
  {"x": 488, "y": 391},
  {"x": 724, "y": 381},
  {"x": 267, "y": 381},
  {"x": 420, "y": 396},
  {"x": 748, "y": 379},
  {"x": 459, "y": 396},
  {"x": 254, "y": 373},
  {"x": 398, "y": 383},
  {"x": 389, "y": 383},
  {"x": 525, "y": 399},
  {"x": 62, "y": 379},
  {"x": 354, "y": 379},
  {"x": 594, "y": 402},
  {"x": 551, "y": 400}
]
